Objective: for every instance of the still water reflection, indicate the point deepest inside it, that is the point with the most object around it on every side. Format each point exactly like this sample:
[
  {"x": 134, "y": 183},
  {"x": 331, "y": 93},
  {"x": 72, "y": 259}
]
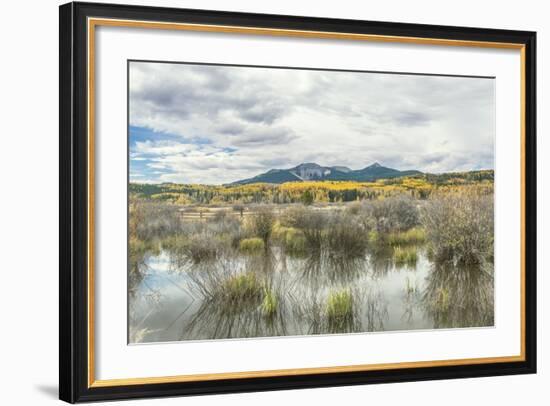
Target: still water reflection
[{"x": 274, "y": 294}]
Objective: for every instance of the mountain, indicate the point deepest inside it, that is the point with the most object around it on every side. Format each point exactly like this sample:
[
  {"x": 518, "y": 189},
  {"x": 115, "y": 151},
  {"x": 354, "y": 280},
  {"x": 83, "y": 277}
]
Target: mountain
[{"x": 313, "y": 171}]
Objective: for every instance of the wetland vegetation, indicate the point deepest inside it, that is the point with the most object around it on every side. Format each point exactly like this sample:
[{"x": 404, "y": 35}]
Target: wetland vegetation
[{"x": 310, "y": 257}]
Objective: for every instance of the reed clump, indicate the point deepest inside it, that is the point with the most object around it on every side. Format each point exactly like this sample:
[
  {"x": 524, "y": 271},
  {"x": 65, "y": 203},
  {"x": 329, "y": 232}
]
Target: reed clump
[
  {"x": 413, "y": 236},
  {"x": 339, "y": 309},
  {"x": 270, "y": 303},
  {"x": 252, "y": 245},
  {"x": 405, "y": 255},
  {"x": 241, "y": 288}
]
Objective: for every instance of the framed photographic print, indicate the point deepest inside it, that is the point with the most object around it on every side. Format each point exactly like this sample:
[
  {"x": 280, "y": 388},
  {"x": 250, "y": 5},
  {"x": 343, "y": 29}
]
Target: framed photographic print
[{"x": 256, "y": 202}]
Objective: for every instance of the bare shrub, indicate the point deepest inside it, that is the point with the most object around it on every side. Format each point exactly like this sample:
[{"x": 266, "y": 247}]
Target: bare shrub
[
  {"x": 262, "y": 223},
  {"x": 346, "y": 237},
  {"x": 140, "y": 245},
  {"x": 312, "y": 222},
  {"x": 201, "y": 248},
  {"x": 460, "y": 227},
  {"x": 398, "y": 213},
  {"x": 153, "y": 220}
]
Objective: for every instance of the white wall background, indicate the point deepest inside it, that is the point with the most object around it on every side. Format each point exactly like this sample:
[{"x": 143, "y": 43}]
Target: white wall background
[{"x": 29, "y": 188}]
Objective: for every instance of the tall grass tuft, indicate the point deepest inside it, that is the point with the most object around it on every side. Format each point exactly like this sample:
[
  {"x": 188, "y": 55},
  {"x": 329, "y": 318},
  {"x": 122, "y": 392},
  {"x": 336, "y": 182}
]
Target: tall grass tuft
[
  {"x": 405, "y": 256},
  {"x": 278, "y": 232},
  {"x": 414, "y": 236},
  {"x": 270, "y": 303},
  {"x": 252, "y": 245},
  {"x": 339, "y": 310},
  {"x": 295, "y": 242},
  {"x": 291, "y": 239},
  {"x": 242, "y": 288}
]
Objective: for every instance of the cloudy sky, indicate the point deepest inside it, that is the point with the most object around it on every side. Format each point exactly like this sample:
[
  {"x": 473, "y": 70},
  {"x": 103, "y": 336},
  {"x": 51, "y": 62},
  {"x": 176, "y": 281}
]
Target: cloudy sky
[{"x": 219, "y": 124}]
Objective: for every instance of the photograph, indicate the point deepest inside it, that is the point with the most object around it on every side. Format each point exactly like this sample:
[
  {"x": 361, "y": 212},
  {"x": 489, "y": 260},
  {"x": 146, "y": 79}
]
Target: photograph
[{"x": 289, "y": 201}]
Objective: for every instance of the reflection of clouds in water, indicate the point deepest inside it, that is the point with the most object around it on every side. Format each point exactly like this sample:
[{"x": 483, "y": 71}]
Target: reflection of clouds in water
[{"x": 156, "y": 296}]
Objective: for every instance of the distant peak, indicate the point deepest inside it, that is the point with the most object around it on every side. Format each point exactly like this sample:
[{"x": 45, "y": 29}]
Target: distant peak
[
  {"x": 308, "y": 171},
  {"x": 308, "y": 165},
  {"x": 344, "y": 169}
]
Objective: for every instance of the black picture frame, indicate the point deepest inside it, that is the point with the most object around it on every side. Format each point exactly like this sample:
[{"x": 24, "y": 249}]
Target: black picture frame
[{"x": 74, "y": 199}]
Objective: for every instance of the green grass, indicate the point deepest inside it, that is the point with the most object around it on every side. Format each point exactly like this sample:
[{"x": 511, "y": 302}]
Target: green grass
[
  {"x": 242, "y": 288},
  {"x": 373, "y": 237},
  {"x": 252, "y": 245},
  {"x": 290, "y": 238},
  {"x": 405, "y": 255},
  {"x": 270, "y": 303},
  {"x": 295, "y": 241},
  {"x": 340, "y": 307},
  {"x": 279, "y": 232},
  {"x": 414, "y": 236}
]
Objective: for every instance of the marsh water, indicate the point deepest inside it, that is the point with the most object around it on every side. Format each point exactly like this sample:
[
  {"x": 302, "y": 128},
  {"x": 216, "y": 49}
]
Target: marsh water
[{"x": 170, "y": 300}]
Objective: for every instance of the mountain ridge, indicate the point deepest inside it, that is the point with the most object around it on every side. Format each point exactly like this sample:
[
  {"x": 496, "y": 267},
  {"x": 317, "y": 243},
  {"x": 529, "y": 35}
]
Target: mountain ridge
[{"x": 312, "y": 171}]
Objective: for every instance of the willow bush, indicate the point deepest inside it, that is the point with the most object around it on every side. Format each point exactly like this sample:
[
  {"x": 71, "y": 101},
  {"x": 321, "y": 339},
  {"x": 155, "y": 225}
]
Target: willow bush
[{"x": 460, "y": 227}]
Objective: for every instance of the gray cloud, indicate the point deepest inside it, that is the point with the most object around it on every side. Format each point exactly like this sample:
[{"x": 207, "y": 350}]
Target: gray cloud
[
  {"x": 411, "y": 118},
  {"x": 229, "y": 128},
  {"x": 265, "y": 112},
  {"x": 235, "y": 122},
  {"x": 263, "y": 136}
]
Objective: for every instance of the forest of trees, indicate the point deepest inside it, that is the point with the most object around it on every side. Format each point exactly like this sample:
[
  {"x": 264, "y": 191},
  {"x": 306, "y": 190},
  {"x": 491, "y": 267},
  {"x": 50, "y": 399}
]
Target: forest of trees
[{"x": 418, "y": 186}]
